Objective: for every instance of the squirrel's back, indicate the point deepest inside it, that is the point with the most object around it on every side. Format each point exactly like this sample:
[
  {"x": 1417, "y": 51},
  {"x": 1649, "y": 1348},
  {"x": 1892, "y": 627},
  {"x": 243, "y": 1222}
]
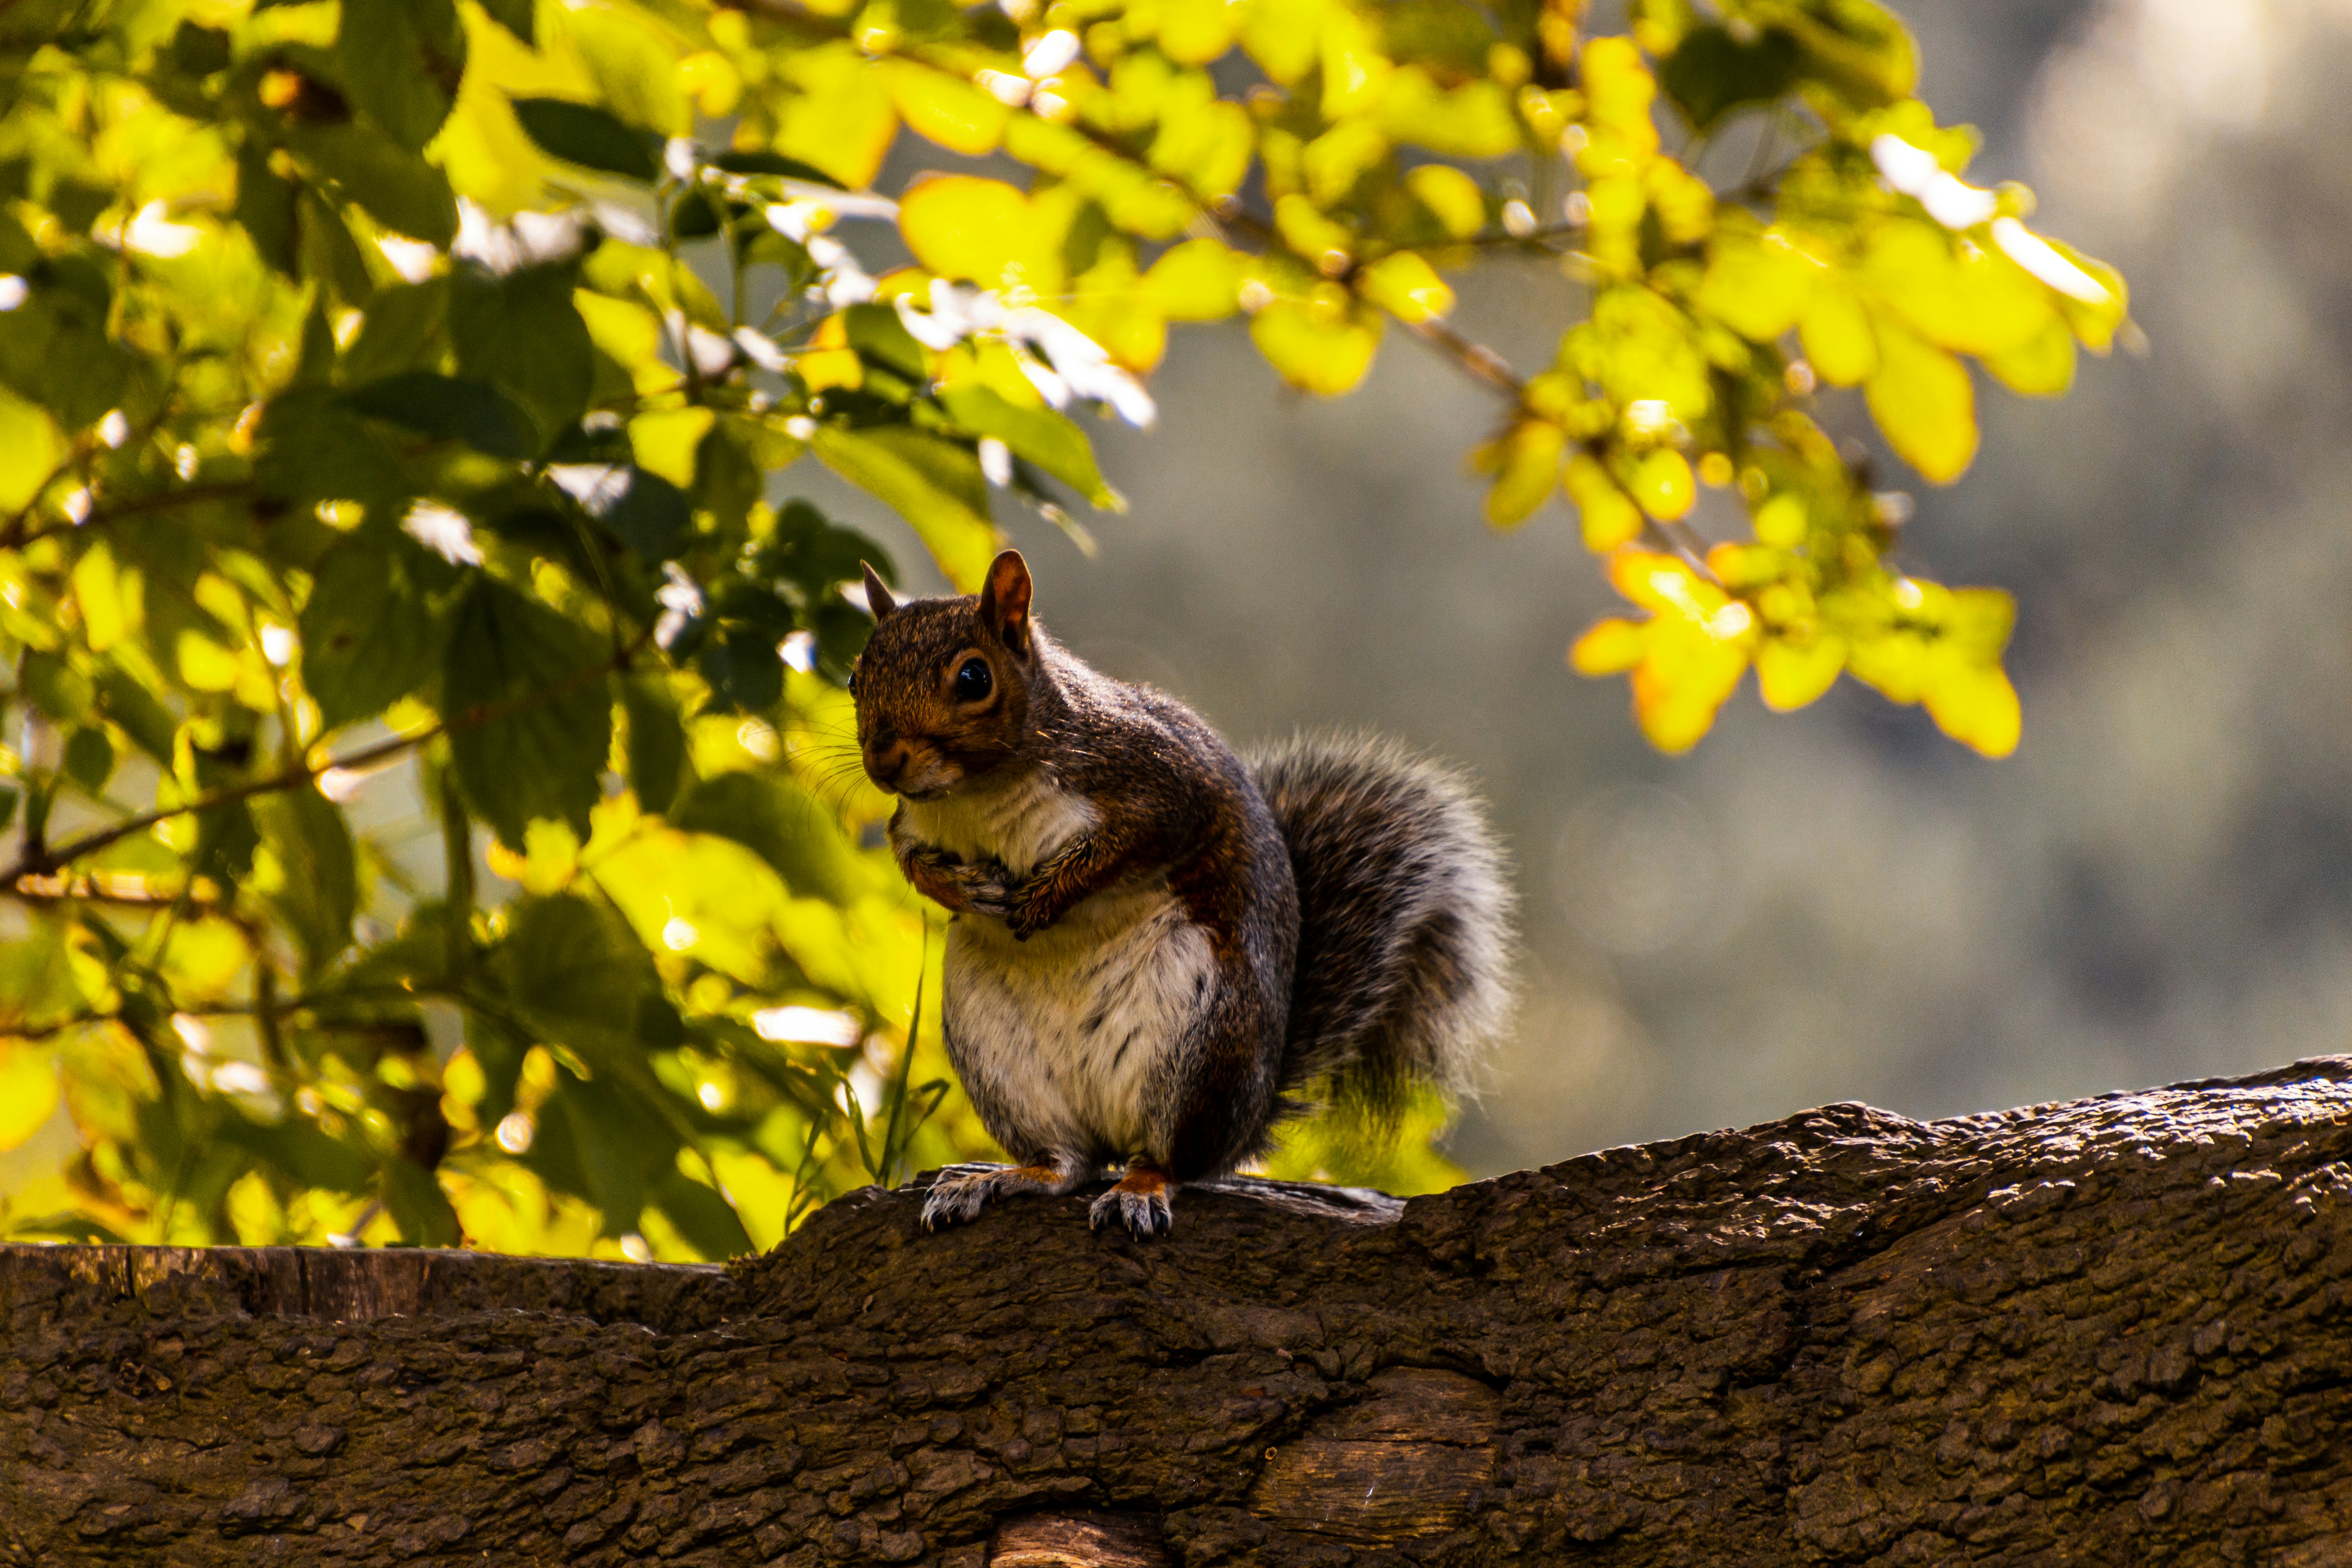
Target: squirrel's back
[{"x": 1404, "y": 941}]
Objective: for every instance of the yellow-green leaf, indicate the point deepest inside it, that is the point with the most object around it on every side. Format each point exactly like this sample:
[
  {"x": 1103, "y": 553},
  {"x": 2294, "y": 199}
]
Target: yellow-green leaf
[
  {"x": 946, "y": 108},
  {"x": 1473, "y": 121},
  {"x": 1207, "y": 146},
  {"x": 1837, "y": 335},
  {"x": 1327, "y": 358},
  {"x": 664, "y": 443},
  {"x": 1607, "y": 648},
  {"x": 1194, "y": 32},
  {"x": 1452, "y": 197},
  {"x": 2042, "y": 367},
  {"x": 1529, "y": 472},
  {"x": 1609, "y": 516},
  {"x": 1788, "y": 675},
  {"x": 30, "y": 447},
  {"x": 1924, "y": 402},
  {"x": 959, "y": 225},
  {"x": 1758, "y": 288},
  {"x": 1199, "y": 281},
  {"x": 1663, "y": 484},
  {"x": 933, "y": 483},
  {"x": 28, "y": 1092},
  {"x": 1977, "y": 706},
  {"x": 1406, "y": 287}
]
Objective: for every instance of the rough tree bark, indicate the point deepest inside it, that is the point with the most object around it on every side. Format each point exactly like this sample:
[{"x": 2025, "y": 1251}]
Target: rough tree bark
[{"x": 2114, "y": 1330}]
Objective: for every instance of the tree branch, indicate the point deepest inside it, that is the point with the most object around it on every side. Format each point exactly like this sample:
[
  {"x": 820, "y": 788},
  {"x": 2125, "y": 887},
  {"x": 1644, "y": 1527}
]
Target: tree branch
[{"x": 2112, "y": 1331}]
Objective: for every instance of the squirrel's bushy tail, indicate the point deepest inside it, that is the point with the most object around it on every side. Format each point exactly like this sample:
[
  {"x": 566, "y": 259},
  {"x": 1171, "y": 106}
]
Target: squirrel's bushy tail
[{"x": 1405, "y": 939}]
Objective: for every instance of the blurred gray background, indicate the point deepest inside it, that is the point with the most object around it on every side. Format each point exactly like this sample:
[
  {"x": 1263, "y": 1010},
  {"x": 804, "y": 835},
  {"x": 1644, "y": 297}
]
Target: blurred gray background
[{"x": 1841, "y": 904}]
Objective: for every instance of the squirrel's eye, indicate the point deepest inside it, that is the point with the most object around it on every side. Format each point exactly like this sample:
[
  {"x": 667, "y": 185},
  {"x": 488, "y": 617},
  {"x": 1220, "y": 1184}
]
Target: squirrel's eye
[{"x": 971, "y": 682}]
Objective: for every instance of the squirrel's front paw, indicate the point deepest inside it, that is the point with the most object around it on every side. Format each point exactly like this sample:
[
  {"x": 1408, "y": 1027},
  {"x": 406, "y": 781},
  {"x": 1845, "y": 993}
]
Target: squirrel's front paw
[
  {"x": 1143, "y": 1201},
  {"x": 987, "y": 887}
]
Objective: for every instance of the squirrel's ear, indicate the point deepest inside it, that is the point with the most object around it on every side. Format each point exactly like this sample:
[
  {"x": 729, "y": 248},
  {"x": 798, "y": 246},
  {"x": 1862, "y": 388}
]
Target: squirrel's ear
[
  {"x": 1005, "y": 601},
  {"x": 877, "y": 596}
]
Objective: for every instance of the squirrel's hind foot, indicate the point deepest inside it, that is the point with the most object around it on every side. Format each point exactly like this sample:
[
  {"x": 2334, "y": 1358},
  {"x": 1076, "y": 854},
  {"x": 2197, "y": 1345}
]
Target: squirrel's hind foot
[
  {"x": 958, "y": 1199},
  {"x": 1144, "y": 1201}
]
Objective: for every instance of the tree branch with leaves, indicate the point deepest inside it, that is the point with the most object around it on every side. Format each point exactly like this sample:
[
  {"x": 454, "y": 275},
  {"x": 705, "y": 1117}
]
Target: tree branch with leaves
[{"x": 435, "y": 815}]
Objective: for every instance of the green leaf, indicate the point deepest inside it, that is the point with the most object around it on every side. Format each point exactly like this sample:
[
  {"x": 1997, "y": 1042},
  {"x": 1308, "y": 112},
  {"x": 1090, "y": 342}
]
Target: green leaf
[
  {"x": 400, "y": 61},
  {"x": 1712, "y": 72},
  {"x": 743, "y": 669},
  {"x": 515, "y": 15},
  {"x": 401, "y": 330},
  {"x": 813, "y": 555},
  {"x": 134, "y": 710},
  {"x": 300, "y": 1150},
  {"x": 418, "y": 1206},
  {"x": 367, "y": 634},
  {"x": 575, "y": 970},
  {"x": 642, "y": 509},
  {"x": 600, "y": 1140},
  {"x": 312, "y": 447},
  {"x": 2041, "y": 366},
  {"x": 398, "y": 187},
  {"x": 449, "y": 408},
  {"x": 590, "y": 137},
  {"x": 56, "y": 688},
  {"x": 522, "y": 335},
  {"x": 702, "y": 1218},
  {"x": 325, "y": 250},
  {"x": 1040, "y": 434},
  {"x": 880, "y": 337},
  {"x": 265, "y": 205},
  {"x": 306, "y": 834},
  {"x": 530, "y": 720},
  {"x": 776, "y": 818},
  {"x": 656, "y": 741},
  {"x": 90, "y": 760},
  {"x": 1857, "y": 48},
  {"x": 735, "y": 163},
  {"x": 934, "y": 484}
]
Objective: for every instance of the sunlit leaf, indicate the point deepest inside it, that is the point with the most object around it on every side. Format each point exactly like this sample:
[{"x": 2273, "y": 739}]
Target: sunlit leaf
[
  {"x": 1039, "y": 435},
  {"x": 28, "y": 1092},
  {"x": 1529, "y": 472},
  {"x": 1326, "y": 356},
  {"x": 1924, "y": 402},
  {"x": 1406, "y": 287},
  {"x": 959, "y": 225},
  {"x": 1837, "y": 335},
  {"x": 933, "y": 483},
  {"x": 1198, "y": 280},
  {"x": 1789, "y": 675}
]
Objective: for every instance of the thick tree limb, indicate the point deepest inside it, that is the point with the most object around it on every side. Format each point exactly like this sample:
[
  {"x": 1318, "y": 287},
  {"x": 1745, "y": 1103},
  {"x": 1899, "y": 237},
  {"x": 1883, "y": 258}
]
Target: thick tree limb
[{"x": 2114, "y": 1330}]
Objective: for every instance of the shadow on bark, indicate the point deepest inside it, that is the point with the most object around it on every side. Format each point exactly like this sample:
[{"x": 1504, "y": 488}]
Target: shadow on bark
[{"x": 2111, "y": 1330}]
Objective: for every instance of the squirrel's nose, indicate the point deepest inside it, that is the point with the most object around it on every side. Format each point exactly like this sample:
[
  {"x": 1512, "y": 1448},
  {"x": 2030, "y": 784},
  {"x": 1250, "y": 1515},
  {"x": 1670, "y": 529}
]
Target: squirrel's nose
[{"x": 886, "y": 759}]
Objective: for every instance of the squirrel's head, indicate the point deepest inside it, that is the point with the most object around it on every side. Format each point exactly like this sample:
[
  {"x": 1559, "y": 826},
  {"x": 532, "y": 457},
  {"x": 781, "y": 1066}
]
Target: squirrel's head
[{"x": 942, "y": 687}]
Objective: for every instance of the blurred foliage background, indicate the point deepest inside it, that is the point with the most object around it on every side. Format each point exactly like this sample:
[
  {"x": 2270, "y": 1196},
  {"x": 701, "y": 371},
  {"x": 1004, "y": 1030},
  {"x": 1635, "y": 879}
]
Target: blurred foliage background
[{"x": 436, "y": 434}]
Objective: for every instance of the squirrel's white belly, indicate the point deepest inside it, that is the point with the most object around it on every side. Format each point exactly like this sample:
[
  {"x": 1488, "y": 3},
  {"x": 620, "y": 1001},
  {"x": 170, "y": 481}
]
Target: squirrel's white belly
[{"x": 1061, "y": 1040}]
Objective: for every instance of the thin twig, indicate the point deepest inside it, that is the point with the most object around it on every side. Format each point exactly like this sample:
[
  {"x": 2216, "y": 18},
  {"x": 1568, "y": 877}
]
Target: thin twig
[
  {"x": 1482, "y": 363},
  {"x": 45, "y": 861},
  {"x": 18, "y": 534}
]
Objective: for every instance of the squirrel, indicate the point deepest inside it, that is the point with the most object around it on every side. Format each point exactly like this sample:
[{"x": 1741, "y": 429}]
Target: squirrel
[{"x": 1156, "y": 941}]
